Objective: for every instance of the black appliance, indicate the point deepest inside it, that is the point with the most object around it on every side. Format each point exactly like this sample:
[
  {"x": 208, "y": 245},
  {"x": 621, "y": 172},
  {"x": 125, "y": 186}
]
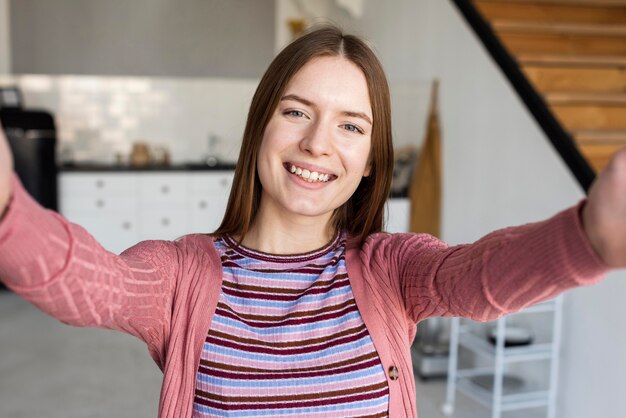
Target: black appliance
[{"x": 32, "y": 139}]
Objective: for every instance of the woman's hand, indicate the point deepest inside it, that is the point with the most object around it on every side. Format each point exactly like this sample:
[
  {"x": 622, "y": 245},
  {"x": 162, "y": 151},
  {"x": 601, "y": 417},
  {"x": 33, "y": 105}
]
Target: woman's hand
[
  {"x": 6, "y": 170},
  {"x": 604, "y": 215}
]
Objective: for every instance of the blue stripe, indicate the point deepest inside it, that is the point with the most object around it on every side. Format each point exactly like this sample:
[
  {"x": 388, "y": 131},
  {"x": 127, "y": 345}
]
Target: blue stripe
[
  {"x": 275, "y": 358},
  {"x": 285, "y": 304}
]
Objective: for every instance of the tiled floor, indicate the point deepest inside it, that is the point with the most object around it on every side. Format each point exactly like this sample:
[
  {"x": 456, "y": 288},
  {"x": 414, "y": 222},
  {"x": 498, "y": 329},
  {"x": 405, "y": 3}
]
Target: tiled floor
[{"x": 50, "y": 370}]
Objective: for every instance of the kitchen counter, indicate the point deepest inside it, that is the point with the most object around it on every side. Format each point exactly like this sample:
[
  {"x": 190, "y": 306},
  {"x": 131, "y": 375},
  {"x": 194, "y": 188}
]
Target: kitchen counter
[{"x": 100, "y": 167}]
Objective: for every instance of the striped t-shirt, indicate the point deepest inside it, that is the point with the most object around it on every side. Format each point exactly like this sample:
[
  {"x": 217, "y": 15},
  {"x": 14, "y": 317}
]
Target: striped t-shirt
[{"x": 287, "y": 339}]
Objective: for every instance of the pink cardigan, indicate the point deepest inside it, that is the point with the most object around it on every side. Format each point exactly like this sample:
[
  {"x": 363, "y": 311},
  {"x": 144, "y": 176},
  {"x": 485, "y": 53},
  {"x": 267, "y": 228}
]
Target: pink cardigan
[{"x": 165, "y": 292}]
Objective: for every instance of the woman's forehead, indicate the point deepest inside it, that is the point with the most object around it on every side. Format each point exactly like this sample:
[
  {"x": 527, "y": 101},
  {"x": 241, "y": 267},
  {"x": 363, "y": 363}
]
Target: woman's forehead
[{"x": 331, "y": 81}]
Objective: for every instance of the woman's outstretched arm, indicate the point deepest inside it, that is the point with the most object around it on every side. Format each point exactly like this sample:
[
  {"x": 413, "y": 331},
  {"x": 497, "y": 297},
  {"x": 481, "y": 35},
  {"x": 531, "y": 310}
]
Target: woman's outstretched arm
[
  {"x": 511, "y": 268},
  {"x": 61, "y": 268}
]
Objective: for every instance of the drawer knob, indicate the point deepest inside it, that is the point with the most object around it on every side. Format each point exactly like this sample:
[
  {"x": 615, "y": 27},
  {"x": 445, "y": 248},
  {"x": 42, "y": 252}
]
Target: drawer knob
[
  {"x": 224, "y": 182},
  {"x": 202, "y": 204},
  {"x": 99, "y": 203},
  {"x": 126, "y": 225},
  {"x": 99, "y": 183},
  {"x": 165, "y": 189},
  {"x": 165, "y": 221}
]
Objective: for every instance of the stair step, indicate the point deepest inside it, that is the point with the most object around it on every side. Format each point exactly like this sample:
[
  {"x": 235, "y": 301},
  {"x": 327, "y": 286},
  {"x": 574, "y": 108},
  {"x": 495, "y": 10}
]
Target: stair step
[
  {"x": 573, "y": 60},
  {"x": 561, "y": 28},
  {"x": 580, "y": 116},
  {"x": 563, "y": 43},
  {"x": 584, "y": 99},
  {"x": 538, "y": 11},
  {"x": 576, "y": 79},
  {"x": 600, "y": 137}
]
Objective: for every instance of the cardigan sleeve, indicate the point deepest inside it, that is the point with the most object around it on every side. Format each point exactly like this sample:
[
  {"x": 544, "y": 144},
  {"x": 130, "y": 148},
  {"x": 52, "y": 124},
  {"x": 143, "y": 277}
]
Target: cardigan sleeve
[
  {"x": 61, "y": 268},
  {"x": 503, "y": 272}
]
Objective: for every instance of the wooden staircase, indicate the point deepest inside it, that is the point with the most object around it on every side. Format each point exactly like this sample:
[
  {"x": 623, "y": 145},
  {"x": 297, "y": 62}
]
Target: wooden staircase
[{"x": 574, "y": 54}]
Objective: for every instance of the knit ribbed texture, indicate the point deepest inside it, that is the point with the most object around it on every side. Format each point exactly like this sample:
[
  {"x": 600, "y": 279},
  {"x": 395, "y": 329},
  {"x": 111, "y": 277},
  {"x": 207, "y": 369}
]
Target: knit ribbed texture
[
  {"x": 287, "y": 340},
  {"x": 166, "y": 293}
]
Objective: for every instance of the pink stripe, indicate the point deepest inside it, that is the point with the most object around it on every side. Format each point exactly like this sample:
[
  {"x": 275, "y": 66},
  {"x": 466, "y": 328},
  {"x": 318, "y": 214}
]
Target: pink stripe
[
  {"x": 331, "y": 357},
  {"x": 288, "y": 334},
  {"x": 286, "y": 375},
  {"x": 288, "y": 322},
  {"x": 298, "y": 404},
  {"x": 287, "y": 351},
  {"x": 300, "y": 307}
]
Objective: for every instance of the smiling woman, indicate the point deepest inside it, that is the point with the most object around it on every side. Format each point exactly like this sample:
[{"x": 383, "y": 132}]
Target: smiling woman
[
  {"x": 299, "y": 304},
  {"x": 327, "y": 96},
  {"x": 315, "y": 136}
]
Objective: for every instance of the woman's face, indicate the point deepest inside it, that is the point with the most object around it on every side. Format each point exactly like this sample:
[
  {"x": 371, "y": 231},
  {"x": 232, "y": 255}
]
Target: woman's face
[{"x": 316, "y": 146}]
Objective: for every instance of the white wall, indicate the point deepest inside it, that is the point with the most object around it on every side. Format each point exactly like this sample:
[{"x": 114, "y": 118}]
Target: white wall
[
  {"x": 5, "y": 51},
  {"x": 499, "y": 170},
  {"x": 99, "y": 116}
]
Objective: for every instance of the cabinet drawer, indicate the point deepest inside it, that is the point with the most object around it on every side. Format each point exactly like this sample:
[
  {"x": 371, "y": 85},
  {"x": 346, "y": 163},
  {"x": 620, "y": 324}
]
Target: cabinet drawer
[
  {"x": 220, "y": 182},
  {"x": 80, "y": 184},
  {"x": 164, "y": 222},
  {"x": 172, "y": 187},
  {"x": 115, "y": 232},
  {"x": 98, "y": 206},
  {"x": 206, "y": 213}
]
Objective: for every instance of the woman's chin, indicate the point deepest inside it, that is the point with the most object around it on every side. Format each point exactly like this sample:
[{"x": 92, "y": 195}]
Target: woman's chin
[{"x": 308, "y": 209}]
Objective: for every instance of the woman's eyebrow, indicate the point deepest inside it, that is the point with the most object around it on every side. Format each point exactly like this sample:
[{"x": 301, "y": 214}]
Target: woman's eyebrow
[
  {"x": 357, "y": 115},
  {"x": 311, "y": 104},
  {"x": 297, "y": 99}
]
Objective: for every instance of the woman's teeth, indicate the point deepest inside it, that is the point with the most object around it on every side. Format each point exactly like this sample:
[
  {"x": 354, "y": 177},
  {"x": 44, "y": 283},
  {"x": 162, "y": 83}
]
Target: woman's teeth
[{"x": 308, "y": 175}]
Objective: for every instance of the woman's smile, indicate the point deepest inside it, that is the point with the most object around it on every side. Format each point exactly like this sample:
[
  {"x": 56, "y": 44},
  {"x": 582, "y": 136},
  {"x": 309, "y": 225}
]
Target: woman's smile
[{"x": 308, "y": 173}]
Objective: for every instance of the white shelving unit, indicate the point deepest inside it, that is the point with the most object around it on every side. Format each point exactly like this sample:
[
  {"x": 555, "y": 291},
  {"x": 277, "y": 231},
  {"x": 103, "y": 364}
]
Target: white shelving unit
[{"x": 462, "y": 334}]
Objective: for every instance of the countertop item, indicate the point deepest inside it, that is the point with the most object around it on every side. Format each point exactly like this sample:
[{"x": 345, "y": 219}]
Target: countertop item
[
  {"x": 93, "y": 167},
  {"x": 513, "y": 336}
]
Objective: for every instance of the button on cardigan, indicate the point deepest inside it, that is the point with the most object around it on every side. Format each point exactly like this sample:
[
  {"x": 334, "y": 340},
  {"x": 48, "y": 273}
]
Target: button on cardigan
[{"x": 166, "y": 292}]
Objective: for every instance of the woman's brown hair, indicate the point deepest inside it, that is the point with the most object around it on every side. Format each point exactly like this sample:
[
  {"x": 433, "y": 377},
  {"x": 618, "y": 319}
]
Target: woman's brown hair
[{"x": 363, "y": 213}]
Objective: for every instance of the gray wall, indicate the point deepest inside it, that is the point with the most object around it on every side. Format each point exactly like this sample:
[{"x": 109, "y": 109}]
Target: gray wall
[
  {"x": 190, "y": 38},
  {"x": 5, "y": 54}
]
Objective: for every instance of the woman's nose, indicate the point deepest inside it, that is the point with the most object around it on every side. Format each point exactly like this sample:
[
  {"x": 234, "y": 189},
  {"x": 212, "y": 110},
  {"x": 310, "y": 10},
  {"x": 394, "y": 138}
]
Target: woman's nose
[{"x": 317, "y": 139}]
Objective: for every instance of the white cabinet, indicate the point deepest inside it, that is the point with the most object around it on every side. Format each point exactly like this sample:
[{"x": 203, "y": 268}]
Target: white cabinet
[
  {"x": 105, "y": 205},
  {"x": 121, "y": 209},
  {"x": 205, "y": 211},
  {"x": 162, "y": 202}
]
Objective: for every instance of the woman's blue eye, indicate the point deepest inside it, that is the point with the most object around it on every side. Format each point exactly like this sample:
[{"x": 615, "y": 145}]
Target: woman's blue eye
[
  {"x": 352, "y": 128},
  {"x": 296, "y": 113}
]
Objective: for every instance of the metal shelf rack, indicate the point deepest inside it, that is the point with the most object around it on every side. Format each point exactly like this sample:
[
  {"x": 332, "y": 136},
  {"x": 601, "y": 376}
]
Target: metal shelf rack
[{"x": 462, "y": 335}]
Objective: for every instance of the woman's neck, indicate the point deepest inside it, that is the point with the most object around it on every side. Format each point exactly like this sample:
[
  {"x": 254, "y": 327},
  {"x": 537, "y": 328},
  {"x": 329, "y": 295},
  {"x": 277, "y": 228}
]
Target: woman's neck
[{"x": 288, "y": 234}]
